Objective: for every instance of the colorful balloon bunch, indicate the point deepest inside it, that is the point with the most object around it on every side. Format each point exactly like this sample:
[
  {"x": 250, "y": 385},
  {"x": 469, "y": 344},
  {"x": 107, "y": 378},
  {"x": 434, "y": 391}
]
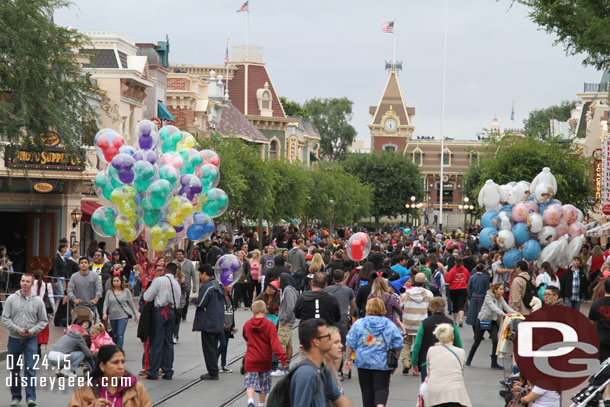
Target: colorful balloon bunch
[
  {"x": 358, "y": 246},
  {"x": 161, "y": 182},
  {"x": 524, "y": 219}
]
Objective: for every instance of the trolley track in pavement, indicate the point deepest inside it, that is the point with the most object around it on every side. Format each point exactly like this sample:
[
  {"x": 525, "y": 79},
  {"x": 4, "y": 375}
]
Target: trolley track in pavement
[{"x": 187, "y": 386}]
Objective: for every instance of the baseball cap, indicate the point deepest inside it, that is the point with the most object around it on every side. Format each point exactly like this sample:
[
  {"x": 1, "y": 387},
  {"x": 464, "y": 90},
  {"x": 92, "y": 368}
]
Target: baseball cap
[
  {"x": 275, "y": 284},
  {"x": 420, "y": 278}
]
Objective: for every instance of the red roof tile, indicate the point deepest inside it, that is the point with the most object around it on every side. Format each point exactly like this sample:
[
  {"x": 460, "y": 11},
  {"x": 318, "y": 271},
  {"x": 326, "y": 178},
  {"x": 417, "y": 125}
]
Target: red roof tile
[{"x": 257, "y": 77}]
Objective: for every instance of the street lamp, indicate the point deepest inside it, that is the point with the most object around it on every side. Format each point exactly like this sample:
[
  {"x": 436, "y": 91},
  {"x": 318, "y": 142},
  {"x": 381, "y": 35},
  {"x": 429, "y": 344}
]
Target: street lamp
[
  {"x": 332, "y": 213},
  {"x": 465, "y": 208},
  {"x": 76, "y": 216}
]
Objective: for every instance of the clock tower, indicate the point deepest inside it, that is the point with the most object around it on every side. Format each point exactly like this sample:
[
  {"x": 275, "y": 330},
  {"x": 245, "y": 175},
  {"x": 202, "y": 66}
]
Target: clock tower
[{"x": 391, "y": 126}]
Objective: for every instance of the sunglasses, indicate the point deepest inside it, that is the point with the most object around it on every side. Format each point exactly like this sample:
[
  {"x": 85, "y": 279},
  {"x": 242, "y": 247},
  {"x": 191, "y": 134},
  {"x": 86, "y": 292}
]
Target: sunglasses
[{"x": 323, "y": 336}]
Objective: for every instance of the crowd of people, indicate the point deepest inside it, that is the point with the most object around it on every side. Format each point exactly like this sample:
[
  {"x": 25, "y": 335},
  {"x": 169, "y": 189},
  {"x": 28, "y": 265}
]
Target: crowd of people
[{"x": 402, "y": 308}]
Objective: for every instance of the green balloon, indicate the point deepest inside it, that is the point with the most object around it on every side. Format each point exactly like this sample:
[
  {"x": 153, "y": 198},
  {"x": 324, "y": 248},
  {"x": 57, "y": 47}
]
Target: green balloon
[
  {"x": 160, "y": 192},
  {"x": 151, "y": 215},
  {"x": 168, "y": 173},
  {"x": 144, "y": 173}
]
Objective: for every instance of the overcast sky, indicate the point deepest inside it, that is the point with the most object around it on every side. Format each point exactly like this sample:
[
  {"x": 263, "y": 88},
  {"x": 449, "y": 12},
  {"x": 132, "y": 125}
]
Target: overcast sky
[{"x": 335, "y": 48}]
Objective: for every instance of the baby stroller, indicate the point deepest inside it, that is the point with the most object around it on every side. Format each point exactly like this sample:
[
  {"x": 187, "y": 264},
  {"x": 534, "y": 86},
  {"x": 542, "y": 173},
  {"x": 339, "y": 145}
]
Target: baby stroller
[
  {"x": 81, "y": 314},
  {"x": 592, "y": 394}
]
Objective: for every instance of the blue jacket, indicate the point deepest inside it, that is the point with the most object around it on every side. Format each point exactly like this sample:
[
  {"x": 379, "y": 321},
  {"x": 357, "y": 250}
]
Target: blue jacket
[
  {"x": 209, "y": 316},
  {"x": 366, "y": 338}
]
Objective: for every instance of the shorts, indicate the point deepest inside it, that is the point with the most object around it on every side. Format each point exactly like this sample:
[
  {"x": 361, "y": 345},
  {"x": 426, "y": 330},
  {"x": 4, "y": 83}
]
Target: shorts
[
  {"x": 458, "y": 299},
  {"x": 284, "y": 333},
  {"x": 259, "y": 381}
]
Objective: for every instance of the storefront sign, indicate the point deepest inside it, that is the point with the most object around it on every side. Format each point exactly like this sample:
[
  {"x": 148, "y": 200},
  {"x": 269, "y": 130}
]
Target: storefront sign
[
  {"x": 605, "y": 175},
  {"x": 56, "y": 159},
  {"x": 43, "y": 187},
  {"x": 293, "y": 145}
]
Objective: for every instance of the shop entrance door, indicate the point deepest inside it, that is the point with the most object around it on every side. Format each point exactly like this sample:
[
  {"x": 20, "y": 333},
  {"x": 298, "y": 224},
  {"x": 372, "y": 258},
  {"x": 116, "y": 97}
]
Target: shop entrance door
[{"x": 41, "y": 241}]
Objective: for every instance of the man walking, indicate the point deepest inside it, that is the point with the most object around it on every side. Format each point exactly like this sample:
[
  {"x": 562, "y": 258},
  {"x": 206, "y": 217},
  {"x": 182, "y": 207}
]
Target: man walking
[
  {"x": 415, "y": 303},
  {"x": 165, "y": 292},
  {"x": 104, "y": 271},
  {"x": 85, "y": 287},
  {"x": 296, "y": 257},
  {"x": 192, "y": 278},
  {"x": 24, "y": 316},
  {"x": 572, "y": 284},
  {"x": 435, "y": 213},
  {"x": 318, "y": 303},
  {"x": 306, "y": 387},
  {"x": 518, "y": 289},
  {"x": 209, "y": 319}
]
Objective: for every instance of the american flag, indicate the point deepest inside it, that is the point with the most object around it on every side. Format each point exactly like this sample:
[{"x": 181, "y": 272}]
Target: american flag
[
  {"x": 244, "y": 7},
  {"x": 227, "y": 56},
  {"x": 387, "y": 27}
]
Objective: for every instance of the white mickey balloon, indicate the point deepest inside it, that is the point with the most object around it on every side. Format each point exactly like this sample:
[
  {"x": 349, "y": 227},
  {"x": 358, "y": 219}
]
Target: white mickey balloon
[
  {"x": 544, "y": 177},
  {"x": 489, "y": 196},
  {"x": 546, "y": 235},
  {"x": 505, "y": 239},
  {"x": 534, "y": 222}
]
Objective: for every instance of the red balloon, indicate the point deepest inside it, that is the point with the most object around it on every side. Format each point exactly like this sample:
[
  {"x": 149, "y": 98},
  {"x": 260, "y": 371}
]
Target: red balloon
[
  {"x": 356, "y": 244},
  {"x": 214, "y": 161},
  {"x": 357, "y": 252},
  {"x": 111, "y": 152},
  {"x": 103, "y": 142}
]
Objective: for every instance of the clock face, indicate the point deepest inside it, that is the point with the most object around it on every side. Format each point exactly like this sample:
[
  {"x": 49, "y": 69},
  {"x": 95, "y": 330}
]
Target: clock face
[{"x": 390, "y": 125}]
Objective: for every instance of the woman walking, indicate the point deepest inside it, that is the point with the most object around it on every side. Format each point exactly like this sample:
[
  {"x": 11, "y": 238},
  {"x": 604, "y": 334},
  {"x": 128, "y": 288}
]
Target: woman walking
[
  {"x": 457, "y": 278},
  {"x": 118, "y": 308},
  {"x": 373, "y": 338},
  {"x": 393, "y": 312},
  {"x": 478, "y": 285},
  {"x": 445, "y": 364},
  {"x": 254, "y": 286},
  {"x": 493, "y": 310}
]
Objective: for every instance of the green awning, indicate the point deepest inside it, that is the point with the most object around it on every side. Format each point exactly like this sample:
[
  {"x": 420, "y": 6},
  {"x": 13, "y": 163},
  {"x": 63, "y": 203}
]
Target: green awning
[
  {"x": 163, "y": 113},
  {"x": 313, "y": 157}
]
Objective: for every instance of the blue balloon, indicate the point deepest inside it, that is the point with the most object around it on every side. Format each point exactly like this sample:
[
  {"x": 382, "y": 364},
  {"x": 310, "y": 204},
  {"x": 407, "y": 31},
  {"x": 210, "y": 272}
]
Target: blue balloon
[
  {"x": 488, "y": 218},
  {"x": 509, "y": 210},
  {"x": 531, "y": 250},
  {"x": 511, "y": 258},
  {"x": 521, "y": 233},
  {"x": 194, "y": 232},
  {"x": 551, "y": 202},
  {"x": 487, "y": 236}
]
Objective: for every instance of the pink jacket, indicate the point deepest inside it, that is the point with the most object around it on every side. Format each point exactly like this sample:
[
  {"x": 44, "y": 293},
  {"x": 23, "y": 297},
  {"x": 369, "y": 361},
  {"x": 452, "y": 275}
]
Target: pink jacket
[{"x": 100, "y": 341}]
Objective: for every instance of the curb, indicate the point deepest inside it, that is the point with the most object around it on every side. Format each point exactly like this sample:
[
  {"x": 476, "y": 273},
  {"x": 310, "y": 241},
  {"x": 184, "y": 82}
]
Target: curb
[{"x": 3, "y": 355}]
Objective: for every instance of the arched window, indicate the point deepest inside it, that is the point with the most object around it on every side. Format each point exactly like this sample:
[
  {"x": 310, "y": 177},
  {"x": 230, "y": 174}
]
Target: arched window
[
  {"x": 273, "y": 149},
  {"x": 447, "y": 157},
  {"x": 267, "y": 100},
  {"x": 417, "y": 157}
]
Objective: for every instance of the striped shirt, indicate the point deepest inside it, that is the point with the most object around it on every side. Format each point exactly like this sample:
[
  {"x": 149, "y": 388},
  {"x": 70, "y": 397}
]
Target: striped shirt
[{"x": 415, "y": 303}]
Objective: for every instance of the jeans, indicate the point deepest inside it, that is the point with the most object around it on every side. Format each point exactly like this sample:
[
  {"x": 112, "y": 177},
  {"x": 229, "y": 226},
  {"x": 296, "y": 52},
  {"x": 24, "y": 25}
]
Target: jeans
[
  {"x": 162, "y": 346},
  {"x": 177, "y": 324},
  {"x": 58, "y": 291},
  {"x": 28, "y": 347},
  {"x": 223, "y": 346},
  {"x": 209, "y": 345},
  {"x": 118, "y": 331},
  {"x": 374, "y": 386},
  {"x": 572, "y": 304},
  {"x": 423, "y": 372},
  {"x": 185, "y": 309}
]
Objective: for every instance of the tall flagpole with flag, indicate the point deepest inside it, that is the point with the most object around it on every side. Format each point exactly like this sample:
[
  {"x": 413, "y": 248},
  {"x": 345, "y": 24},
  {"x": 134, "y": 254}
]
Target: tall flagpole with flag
[
  {"x": 442, "y": 130},
  {"x": 388, "y": 28},
  {"x": 246, "y": 7}
]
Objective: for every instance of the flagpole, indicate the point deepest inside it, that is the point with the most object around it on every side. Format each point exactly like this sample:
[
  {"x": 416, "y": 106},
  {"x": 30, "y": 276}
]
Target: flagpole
[
  {"x": 443, "y": 121},
  {"x": 394, "y": 46},
  {"x": 248, "y": 31},
  {"x": 227, "y": 73}
]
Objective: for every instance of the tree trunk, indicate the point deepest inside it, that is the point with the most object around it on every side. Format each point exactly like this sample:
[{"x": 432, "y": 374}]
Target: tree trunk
[
  {"x": 376, "y": 223},
  {"x": 260, "y": 234}
]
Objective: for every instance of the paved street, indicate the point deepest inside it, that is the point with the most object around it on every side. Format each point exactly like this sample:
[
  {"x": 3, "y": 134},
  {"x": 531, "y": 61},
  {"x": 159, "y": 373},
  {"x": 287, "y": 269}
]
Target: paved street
[{"x": 482, "y": 382}]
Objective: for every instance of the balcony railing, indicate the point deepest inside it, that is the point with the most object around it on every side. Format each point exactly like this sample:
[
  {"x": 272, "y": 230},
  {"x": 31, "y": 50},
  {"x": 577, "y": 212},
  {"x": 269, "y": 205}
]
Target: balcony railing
[{"x": 596, "y": 87}]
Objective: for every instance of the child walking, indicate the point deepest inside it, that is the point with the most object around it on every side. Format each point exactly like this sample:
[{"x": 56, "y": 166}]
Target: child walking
[{"x": 262, "y": 339}]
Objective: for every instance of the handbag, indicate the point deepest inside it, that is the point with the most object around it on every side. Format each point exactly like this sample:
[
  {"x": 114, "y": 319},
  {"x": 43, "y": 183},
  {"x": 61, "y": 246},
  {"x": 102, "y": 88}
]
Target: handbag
[
  {"x": 392, "y": 358},
  {"x": 129, "y": 316},
  {"x": 47, "y": 301},
  {"x": 485, "y": 325}
]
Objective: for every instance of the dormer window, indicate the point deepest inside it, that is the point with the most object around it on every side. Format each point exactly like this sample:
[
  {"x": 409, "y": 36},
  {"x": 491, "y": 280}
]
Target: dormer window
[
  {"x": 263, "y": 97},
  {"x": 447, "y": 157},
  {"x": 417, "y": 157}
]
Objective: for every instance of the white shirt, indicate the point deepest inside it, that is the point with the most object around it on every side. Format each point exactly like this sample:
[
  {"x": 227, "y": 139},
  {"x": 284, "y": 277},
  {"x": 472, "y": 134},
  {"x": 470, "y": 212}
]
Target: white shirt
[
  {"x": 548, "y": 398},
  {"x": 546, "y": 279}
]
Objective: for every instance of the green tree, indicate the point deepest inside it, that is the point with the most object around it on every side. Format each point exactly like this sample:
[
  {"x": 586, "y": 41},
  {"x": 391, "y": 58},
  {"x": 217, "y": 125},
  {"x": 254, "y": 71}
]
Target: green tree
[
  {"x": 293, "y": 108},
  {"x": 290, "y": 191},
  {"x": 331, "y": 118},
  {"x": 537, "y": 123},
  {"x": 581, "y": 25},
  {"x": 512, "y": 158},
  {"x": 42, "y": 87},
  {"x": 393, "y": 177}
]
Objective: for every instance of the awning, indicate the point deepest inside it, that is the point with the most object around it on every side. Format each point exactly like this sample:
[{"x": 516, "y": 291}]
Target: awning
[
  {"x": 163, "y": 113},
  {"x": 313, "y": 157},
  {"x": 599, "y": 231},
  {"x": 88, "y": 207}
]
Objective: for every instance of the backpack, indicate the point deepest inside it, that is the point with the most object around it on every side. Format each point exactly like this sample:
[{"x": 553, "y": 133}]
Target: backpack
[
  {"x": 530, "y": 292},
  {"x": 280, "y": 393},
  {"x": 434, "y": 284}
]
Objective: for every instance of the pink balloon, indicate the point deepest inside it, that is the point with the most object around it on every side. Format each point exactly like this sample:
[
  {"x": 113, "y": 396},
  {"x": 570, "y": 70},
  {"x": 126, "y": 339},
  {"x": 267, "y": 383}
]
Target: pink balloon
[
  {"x": 173, "y": 160},
  {"x": 577, "y": 229},
  {"x": 552, "y": 215},
  {"x": 520, "y": 211},
  {"x": 570, "y": 213},
  {"x": 533, "y": 206},
  {"x": 561, "y": 229}
]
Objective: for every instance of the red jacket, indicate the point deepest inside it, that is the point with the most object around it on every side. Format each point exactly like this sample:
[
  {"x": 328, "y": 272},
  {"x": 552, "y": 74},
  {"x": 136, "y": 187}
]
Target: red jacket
[
  {"x": 457, "y": 278},
  {"x": 261, "y": 335}
]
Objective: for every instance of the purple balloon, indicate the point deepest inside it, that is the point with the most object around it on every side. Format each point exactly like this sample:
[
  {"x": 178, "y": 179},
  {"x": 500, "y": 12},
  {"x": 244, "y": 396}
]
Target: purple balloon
[
  {"x": 124, "y": 163},
  {"x": 148, "y": 155},
  {"x": 228, "y": 269},
  {"x": 146, "y": 141},
  {"x": 191, "y": 186},
  {"x": 227, "y": 278}
]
